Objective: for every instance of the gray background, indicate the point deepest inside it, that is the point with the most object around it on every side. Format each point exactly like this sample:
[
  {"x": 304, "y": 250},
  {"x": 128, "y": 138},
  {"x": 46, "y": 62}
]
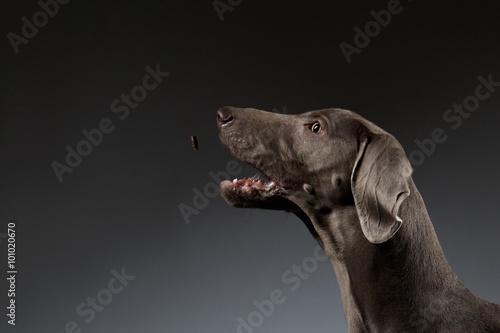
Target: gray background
[{"x": 119, "y": 207}]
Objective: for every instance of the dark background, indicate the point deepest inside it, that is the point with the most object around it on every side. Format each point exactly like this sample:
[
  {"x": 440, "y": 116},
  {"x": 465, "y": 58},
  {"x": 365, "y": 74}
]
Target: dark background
[{"x": 119, "y": 207}]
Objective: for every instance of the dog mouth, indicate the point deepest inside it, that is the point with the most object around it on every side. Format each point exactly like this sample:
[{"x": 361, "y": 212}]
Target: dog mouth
[
  {"x": 255, "y": 192},
  {"x": 251, "y": 192},
  {"x": 253, "y": 185}
]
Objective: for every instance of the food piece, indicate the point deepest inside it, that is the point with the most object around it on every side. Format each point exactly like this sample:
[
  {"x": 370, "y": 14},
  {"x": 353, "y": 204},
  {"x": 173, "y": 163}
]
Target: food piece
[{"x": 194, "y": 142}]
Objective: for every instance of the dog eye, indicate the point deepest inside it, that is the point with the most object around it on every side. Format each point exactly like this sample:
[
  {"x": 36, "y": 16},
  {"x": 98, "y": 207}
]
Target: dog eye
[{"x": 315, "y": 127}]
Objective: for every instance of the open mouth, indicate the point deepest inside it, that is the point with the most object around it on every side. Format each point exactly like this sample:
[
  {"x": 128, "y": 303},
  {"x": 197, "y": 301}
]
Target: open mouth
[
  {"x": 251, "y": 186},
  {"x": 256, "y": 193},
  {"x": 247, "y": 192}
]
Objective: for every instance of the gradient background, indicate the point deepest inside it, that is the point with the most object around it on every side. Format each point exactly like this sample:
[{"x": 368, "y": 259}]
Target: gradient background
[{"x": 119, "y": 207}]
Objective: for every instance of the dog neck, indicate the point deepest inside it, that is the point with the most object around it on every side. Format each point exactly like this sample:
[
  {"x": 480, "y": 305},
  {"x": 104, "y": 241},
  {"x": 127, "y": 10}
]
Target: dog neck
[{"x": 404, "y": 284}]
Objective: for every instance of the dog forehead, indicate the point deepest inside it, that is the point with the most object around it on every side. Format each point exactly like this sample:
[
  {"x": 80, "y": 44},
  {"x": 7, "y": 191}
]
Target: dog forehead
[
  {"x": 339, "y": 120},
  {"x": 333, "y": 114}
]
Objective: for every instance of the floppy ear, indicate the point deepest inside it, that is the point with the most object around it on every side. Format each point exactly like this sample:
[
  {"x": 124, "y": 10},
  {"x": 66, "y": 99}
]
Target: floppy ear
[{"x": 379, "y": 183}]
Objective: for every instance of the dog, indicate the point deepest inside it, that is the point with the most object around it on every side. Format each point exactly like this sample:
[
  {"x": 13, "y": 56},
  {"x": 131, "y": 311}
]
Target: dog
[{"x": 350, "y": 182}]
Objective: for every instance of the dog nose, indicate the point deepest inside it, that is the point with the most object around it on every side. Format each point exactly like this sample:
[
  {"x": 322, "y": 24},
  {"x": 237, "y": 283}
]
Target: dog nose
[{"x": 224, "y": 115}]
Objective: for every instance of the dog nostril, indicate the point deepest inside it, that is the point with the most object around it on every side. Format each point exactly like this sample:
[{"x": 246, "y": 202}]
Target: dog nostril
[{"x": 224, "y": 115}]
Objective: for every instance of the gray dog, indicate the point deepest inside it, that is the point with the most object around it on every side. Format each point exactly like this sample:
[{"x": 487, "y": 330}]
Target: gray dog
[{"x": 350, "y": 182}]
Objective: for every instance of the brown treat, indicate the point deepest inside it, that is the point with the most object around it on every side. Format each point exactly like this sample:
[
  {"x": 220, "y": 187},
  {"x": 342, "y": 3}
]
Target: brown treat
[{"x": 194, "y": 142}]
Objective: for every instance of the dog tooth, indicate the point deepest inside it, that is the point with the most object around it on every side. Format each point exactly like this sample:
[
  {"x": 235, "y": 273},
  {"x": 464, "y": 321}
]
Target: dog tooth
[{"x": 235, "y": 180}]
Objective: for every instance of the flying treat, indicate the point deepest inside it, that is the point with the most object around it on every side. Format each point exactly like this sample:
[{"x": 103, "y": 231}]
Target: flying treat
[{"x": 194, "y": 142}]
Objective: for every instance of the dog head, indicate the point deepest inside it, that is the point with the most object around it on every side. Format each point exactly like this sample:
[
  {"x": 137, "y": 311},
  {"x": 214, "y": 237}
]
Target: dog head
[{"x": 317, "y": 162}]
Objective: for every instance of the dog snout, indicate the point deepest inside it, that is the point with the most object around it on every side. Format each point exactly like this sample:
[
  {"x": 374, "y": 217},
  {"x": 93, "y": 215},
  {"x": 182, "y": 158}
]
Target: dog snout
[{"x": 224, "y": 116}]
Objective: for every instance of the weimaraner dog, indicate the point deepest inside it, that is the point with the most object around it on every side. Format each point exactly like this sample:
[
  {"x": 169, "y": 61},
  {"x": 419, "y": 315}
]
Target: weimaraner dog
[{"x": 350, "y": 182}]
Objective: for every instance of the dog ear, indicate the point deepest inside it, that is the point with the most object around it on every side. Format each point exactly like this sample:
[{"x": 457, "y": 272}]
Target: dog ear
[{"x": 379, "y": 183}]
